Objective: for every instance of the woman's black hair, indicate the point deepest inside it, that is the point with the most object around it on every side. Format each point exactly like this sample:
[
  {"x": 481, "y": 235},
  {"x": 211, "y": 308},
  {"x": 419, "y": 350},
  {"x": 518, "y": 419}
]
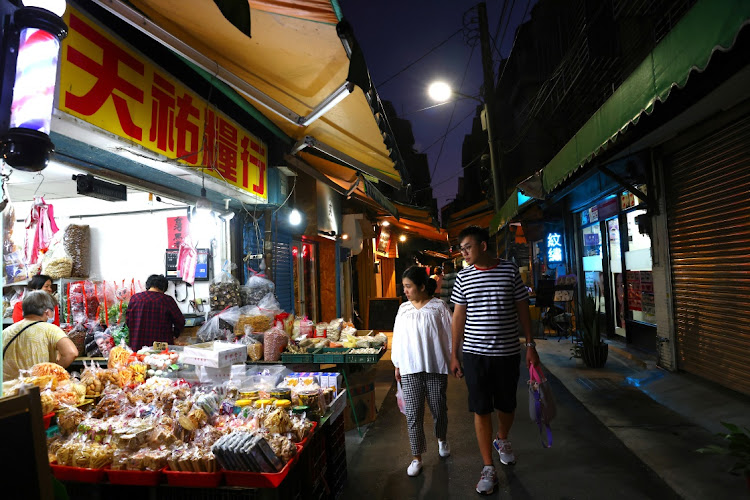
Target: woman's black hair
[
  {"x": 418, "y": 276},
  {"x": 38, "y": 281},
  {"x": 157, "y": 281}
]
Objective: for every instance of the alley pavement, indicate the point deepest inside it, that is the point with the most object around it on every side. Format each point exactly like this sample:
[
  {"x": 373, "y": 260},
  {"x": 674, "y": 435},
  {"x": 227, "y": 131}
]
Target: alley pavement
[{"x": 612, "y": 439}]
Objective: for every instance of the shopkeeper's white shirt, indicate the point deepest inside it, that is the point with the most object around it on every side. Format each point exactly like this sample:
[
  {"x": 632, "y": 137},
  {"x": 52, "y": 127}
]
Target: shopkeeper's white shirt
[{"x": 422, "y": 338}]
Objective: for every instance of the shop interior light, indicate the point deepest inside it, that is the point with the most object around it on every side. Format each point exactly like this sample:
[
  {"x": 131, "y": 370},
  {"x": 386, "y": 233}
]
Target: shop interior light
[
  {"x": 385, "y": 223},
  {"x": 344, "y": 236},
  {"x": 295, "y": 217},
  {"x": 402, "y": 238},
  {"x": 203, "y": 204}
]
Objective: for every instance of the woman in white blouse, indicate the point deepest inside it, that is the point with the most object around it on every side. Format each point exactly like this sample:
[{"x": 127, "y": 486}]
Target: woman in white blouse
[{"x": 421, "y": 354}]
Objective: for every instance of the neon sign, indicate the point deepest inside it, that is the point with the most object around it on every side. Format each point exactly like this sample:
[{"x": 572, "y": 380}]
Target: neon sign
[{"x": 554, "y": 247}]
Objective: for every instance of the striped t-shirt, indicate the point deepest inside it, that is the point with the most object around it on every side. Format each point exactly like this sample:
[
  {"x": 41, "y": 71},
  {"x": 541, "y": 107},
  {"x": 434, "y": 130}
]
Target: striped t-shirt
[{"x": 490, "y": 296}]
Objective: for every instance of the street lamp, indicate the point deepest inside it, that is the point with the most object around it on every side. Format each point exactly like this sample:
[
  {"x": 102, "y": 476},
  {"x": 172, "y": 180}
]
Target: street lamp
[
  {"x": 442, "y": 92},
  {"x": 34, "y": 36}
]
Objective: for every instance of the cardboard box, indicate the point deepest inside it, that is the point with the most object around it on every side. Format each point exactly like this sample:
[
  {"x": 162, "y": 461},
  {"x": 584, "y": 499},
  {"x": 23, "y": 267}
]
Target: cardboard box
[
  {"x": 363, "y": 397},
  {"x": 214, "y": 354}
]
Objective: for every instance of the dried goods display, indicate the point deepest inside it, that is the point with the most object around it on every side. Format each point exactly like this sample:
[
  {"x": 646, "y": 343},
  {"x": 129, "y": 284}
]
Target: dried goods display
[
  {"x": 77, "y": 244},
  {"x": 224, "y": 294}
]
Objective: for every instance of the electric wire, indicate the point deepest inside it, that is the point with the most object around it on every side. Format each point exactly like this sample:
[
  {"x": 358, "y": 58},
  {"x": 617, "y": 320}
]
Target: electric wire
[
  {"x": 433, "y": 49},
  {"x": 471, "y": 113},
  {"x": 515, "y": 38}
]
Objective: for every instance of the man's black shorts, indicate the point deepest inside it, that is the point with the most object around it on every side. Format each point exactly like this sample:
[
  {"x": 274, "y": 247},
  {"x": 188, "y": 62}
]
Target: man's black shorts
[{"x": 492, "y": 382}]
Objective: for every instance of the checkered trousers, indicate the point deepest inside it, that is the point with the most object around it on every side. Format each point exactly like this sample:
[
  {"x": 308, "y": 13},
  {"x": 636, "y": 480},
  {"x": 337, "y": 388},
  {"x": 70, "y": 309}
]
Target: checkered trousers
[{"x": 416, "y": 387}]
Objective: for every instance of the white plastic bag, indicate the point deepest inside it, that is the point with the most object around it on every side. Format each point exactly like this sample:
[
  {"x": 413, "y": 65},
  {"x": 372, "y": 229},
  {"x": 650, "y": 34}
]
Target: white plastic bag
[{"x": 400, "y": 399}]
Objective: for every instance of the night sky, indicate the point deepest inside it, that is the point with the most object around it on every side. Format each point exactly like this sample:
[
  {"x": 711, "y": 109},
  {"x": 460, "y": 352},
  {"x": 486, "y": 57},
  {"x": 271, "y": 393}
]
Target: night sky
[{"x": 394, "y": 33}]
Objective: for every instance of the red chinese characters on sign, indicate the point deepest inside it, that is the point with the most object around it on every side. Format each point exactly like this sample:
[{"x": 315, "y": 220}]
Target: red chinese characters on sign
[
  {"x": 187, "y": 128},
  {"x": 108, "y": 79},
  {"x": 162, "y": 113},
  {"x": 248, "y": 158},
  {"x": 178, "y": 230}
]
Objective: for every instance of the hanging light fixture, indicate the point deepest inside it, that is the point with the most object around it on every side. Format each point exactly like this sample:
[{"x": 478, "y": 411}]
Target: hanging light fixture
[
  {"x": 202, "y": 220},
  {"x": 38, "y": 29}
]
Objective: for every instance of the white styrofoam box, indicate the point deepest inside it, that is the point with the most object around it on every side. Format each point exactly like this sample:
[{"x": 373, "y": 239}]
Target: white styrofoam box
[
  {"x": 220, "y": 375},
  {"x": 214, "y": 354}
]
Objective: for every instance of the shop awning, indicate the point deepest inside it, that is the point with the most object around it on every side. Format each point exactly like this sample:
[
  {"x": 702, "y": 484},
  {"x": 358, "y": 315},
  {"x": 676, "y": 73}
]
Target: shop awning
[
  {"x": 417, "y": 220},
  {"x": 707, "y": 27},
  {"x": 479, "y": 214},
  {"x": 301, "y": 68}
]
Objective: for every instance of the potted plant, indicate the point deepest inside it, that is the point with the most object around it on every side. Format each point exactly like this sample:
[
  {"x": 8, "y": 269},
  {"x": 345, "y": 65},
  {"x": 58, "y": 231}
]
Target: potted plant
[
  {"x": 737, "y": 446},
  {"x": 593, "y": 350}
]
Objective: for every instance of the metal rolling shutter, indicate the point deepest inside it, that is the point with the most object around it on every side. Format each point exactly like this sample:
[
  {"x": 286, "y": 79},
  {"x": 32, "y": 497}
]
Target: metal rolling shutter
[
  {"x": 709, "y": 232},
  {"x": 283, "y": 268}
]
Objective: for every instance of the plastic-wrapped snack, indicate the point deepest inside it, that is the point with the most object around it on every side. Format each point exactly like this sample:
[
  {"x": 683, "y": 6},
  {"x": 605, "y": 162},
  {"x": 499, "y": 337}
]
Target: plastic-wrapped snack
[
  {"x": 47, "y": 369},
  {"x": 136, "y": 461},
  {"x": 90, "y": 378},
  {"x": 48, "y": 402},
  {"x": 78, "y": 336},
  {"x": 278, "y": 422},
  {"x": 68, "y": 419},
  {"x": 155, "y": 459},
  {"x": 120, "y": 459},
  {"x": 282, "y": 446},
  {"x": 81, "y": 455},
  {"x": 101, "y": 456},
  {"x": 274, "y": 343}
]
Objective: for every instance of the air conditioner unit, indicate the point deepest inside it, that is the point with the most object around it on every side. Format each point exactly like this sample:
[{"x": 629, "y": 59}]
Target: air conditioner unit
[{"x": 88, "y": 185}]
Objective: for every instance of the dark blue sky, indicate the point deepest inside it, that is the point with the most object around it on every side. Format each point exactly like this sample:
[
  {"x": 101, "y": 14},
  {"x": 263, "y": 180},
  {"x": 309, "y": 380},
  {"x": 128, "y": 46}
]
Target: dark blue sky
[{"x": 393, "y": 33}]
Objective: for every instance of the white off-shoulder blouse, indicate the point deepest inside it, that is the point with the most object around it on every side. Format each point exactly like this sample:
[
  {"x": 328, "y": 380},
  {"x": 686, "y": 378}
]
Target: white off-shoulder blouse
[{"x": 422, "y": 338}]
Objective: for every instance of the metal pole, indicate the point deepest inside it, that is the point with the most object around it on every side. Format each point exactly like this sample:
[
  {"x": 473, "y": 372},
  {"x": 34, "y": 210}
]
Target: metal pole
[{"x": 489, "y": 106}]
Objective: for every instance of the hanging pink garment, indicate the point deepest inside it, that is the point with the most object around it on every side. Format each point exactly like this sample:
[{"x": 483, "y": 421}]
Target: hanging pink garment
[
  {"x": 187, "y": 259},
  {"x": 40, "y": 228}
]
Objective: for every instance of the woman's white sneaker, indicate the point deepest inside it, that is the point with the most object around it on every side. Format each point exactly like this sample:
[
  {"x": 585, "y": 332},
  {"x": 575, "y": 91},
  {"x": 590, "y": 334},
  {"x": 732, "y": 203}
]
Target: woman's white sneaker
[
  {"x": 415, "y": 467},
  {"x": 444, "y": 449}
]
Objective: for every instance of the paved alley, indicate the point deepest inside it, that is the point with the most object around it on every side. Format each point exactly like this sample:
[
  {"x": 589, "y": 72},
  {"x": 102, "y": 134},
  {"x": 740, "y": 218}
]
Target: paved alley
[{"x": 586, "y": 461}]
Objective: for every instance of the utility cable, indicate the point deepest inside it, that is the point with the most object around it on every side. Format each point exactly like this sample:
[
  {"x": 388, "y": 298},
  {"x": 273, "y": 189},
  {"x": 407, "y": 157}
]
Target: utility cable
[
  {"x": 433, "y": 49},
  {"x": 525, "y": 12},
  {"x": 473, "y": 112},
  {"x": 463, "y": 167}
]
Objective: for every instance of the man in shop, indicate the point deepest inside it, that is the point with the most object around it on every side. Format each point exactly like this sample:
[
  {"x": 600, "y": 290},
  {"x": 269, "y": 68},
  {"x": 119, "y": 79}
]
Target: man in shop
[
  {"x": 438, "y": 277},
  {"x": 35, "y": 339},
  {"x": 490, "y": 300},
  {"x": 153, "y": 316}
]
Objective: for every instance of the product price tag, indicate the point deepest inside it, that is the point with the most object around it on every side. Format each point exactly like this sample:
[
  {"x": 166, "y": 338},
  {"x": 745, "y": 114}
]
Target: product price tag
[{"x": 161, "y": 346}]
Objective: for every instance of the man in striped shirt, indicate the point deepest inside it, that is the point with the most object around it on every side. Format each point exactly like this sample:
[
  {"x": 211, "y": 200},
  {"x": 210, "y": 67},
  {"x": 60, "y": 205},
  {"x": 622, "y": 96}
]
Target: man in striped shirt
[{"x": 490, "y": 300}]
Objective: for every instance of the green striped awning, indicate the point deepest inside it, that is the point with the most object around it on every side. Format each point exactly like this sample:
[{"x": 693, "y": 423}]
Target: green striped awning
[{"x": 709, "y": 26}]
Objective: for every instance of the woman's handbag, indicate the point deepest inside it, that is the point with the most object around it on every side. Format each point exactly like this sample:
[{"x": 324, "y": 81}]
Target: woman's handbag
[{"x": 542, "y": 407}]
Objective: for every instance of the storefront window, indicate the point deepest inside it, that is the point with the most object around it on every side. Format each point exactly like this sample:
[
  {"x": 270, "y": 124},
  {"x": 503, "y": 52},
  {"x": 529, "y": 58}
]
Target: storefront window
[
  {"x": 592, "y": 262},
  {"x": 639, "y": 271}
]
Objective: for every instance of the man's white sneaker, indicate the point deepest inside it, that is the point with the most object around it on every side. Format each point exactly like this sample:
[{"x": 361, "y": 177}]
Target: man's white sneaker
[
  {"x": 487, "y": 481},
  {"x": 415, "y": 467},
  {"x": 505, "y": 451},
  {"x": 444, "y": 449}
]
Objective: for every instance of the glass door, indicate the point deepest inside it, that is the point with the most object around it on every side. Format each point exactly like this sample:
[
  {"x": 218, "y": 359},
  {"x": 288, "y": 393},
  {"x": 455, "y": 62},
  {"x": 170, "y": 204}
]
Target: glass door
[
  {"x": 616, "y": 284},
  {"x": 593, "y": 263},
  {"x": 638, "y": 266},
  {"x": 304, "y": 257}
]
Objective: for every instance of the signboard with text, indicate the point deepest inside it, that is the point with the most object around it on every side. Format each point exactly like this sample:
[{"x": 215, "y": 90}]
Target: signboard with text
[{"x": 106, "y": 83}]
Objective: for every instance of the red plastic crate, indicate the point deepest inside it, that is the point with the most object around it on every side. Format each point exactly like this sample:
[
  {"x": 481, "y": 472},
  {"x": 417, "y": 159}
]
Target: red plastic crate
[
  {"x": 193, "y": 479},
  {"x": 78, "y": 474},
  {"x": 48, "y": 419},
  {"x": 134, "y": 477},
  {"x": 259, "y": 479}
]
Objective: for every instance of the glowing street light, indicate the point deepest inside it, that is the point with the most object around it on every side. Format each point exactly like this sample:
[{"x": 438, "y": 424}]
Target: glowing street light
[{"x": 439, "y": 91}]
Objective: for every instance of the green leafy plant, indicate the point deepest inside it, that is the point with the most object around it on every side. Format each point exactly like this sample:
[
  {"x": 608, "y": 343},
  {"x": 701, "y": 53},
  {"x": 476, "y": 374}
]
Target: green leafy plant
[
  {"x": 588, "y": 320},
  {"x": 737, "y": 446}
]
